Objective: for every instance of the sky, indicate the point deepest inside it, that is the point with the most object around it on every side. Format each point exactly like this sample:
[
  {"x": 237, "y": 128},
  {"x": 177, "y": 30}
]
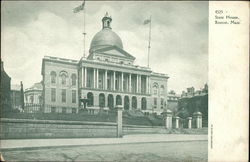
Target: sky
[{"x": 31, "y": 30}]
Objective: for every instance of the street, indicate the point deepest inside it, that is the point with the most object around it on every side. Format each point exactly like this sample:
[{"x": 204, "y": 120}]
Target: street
[{"x": 156, "y": 151}]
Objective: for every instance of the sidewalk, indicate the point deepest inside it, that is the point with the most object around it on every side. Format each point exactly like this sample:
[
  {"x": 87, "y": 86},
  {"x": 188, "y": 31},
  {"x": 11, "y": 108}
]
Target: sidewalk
[{"x": 142, "y": 138}]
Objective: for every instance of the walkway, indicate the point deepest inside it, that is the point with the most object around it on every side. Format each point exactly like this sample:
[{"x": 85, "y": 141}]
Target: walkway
[{"x": 33, "y": 143}]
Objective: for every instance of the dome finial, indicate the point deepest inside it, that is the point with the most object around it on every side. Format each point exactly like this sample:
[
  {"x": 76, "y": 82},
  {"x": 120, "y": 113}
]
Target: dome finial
[
  {"x": 106, "y": 21},
  {"x": 106, "y": 15}
]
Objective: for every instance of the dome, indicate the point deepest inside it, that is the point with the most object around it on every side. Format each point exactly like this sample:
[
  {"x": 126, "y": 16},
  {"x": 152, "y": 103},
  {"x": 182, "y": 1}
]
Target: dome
[{"x": 104, "y": 38}]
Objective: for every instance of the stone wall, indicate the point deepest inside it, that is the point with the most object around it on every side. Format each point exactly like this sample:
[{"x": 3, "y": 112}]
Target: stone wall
[
  {"x": 23, "y": 128},
  {"x": 26, "y": 128}
]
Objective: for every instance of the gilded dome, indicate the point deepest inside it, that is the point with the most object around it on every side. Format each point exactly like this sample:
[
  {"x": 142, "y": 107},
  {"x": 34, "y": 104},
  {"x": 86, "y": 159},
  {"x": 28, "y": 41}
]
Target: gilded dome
[{"x": 106, "y": 37}]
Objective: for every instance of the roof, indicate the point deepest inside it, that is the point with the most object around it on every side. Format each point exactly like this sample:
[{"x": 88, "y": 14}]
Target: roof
[
  {"x": 104, "y": 38},
  {"x": 36, "y": 86}
]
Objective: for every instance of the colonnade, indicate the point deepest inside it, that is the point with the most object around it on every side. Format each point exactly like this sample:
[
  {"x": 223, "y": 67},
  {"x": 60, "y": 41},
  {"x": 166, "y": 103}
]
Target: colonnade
[{"x": 114, "y": 80}]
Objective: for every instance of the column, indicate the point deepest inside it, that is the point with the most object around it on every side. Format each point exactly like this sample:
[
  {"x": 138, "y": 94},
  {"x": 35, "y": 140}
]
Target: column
[
  {"x": 129, "y": 82},
  {"x": 147, "y": 85},
  {"x": 106, "y": 80},
  {"x": 97, "y": 78},
  {"x": 114, "y": 80},
  {"x": 94, "y": 78},
  {"x": 82, "y": 77},
  {"x": 177, "y": 122},
  {"x": 119, "y": 120},
  {"x": 137, "y": 83},
  {"x": 140, "y": 84},
  {"x": 200, "y": 121},
  {"x": 122, "y": 82},
  {"x": 85, "y": 77},
  {"x": 189, "y": 122}
]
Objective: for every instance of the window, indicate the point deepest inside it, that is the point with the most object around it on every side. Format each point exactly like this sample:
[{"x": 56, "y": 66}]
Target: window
[
  {"x": 155, "y": 103},
  {"x": 40, "y": 99},
  {"x": 53, "y": 94},
  {"x": 155, "y": 89},
  {"x": 63, "y": 95},
  {"x": 63, "y": 75},
  {"x": 64, "y": 110},
  {"x": 31, "y": 99},
  {"x": 73, "y": 96},
  {"x": 53, "y": 77},
  {"x": 63, "y": 79},
  {"x": 162, "y": 90},
  {"x": 73, "y": 110},
  {"x": 53, "y": 110},
  {"x": 73, "y": 79},
  {"x": 162, "y": 103}
]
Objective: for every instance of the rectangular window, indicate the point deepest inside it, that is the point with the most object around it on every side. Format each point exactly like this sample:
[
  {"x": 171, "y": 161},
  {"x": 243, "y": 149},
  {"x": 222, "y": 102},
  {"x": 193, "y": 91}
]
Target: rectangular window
[
  {"x": 109, "y": 83},
  {"x": 53, "y": 110},
  {"x": 64, "y": 110},
  {"x": 155, "y": 103},
  {"x": 162, "y": 103},
  {"x": 73, "y": 110},
  {"x": 53, "y": 94},
  {"x": 100, "y": 86},
  {"x": 73, "y": 96},
  {"x": 63, "y": 95}
]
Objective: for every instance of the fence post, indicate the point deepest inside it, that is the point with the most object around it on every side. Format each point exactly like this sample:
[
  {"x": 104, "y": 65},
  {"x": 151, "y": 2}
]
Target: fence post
[
  {"x": 168, "y": 118},
  {"x": 177, "y": 122},
  {"x": 198, "y": 119},
  {"x": 119, "y": 120},
  {"x": 189, "y": 122}
]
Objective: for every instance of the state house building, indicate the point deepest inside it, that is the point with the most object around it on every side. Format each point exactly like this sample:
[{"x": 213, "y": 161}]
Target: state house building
[{"x": 107, "y": 77}]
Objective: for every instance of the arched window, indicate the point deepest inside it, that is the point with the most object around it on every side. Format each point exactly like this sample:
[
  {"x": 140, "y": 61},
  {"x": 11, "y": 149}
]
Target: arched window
[
  {"x": 143, "y": 103},
  {"x": 126, "y": 103},
  {"x": 134, "y": 102},
  {"x": 73, "y": 79},
  {"x": 63, "y": 75},
  {"x": 101, "y": 100},
  {"x": 162, "y": 90},
  {"x": 155, "y": 89},
  {"x": 118, "y": 100},
  {"x": 110, "y": 101},
  {"x": 63, "y": 79},
  {"x": 53, "y": 77},
  {"x": 90, "y": 98}
]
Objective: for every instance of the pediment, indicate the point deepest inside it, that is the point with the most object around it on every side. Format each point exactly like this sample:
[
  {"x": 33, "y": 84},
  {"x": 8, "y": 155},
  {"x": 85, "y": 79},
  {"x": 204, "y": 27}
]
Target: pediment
[{"x": 114, "y": 51}]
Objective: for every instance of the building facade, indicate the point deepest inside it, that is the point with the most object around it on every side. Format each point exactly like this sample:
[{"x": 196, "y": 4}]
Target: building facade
[
  {"x": 193, "y": 101},
  {"x": 5, "y": 94},
  {"x": 33, "y": 95},
  {"x": 107, "y": 77},
  {"x": 16, "y": 96},
  {"x": 173, "y": 101}
]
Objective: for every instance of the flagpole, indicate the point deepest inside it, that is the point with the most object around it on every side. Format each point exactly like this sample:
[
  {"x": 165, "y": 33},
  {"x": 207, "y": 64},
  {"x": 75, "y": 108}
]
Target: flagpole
[
  {"x": 84, "y": 33},
  {"x": 149, "y": 39}
]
